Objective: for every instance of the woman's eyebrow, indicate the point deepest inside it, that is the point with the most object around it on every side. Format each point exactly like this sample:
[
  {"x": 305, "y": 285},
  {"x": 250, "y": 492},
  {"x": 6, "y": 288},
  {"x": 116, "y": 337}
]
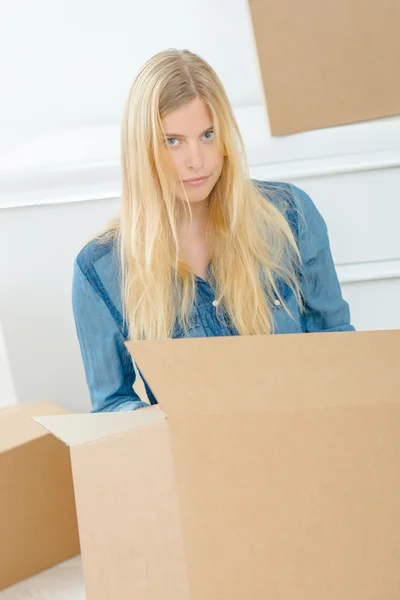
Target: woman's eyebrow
[{"x": 179, "y": 135}]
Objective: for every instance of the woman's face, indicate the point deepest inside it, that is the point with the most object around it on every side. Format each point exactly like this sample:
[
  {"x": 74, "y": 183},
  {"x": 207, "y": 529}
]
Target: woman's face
[{"x": 190, "y": 140}]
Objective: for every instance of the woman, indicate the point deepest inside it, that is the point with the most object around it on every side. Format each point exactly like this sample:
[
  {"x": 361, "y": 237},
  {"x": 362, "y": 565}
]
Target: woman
[{"x": 198, "y": 248}]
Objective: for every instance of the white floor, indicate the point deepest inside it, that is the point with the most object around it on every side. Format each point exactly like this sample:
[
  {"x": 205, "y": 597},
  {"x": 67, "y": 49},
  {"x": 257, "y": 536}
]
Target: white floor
[{"x": 62, "y": 582}]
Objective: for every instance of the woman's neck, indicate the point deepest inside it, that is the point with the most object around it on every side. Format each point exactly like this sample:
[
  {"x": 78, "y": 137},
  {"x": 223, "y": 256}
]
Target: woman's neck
[
  {"x": 194, "y": 248},
  {"x": 196, "y": 224}
]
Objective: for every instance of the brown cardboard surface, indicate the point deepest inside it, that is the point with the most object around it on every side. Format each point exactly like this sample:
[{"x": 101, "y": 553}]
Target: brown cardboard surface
[
  {"x": 38, "y": 526},
  {"x": 287, "y": 461},
  {"x": 128, "y": 516},
  {"x": 17, "y": 428},
  {"x": 327, "y": 63},
  {"x": 239, "y": 374},
  {"x": 291, "y": 504},
  {"x": 275, "y": 473}
]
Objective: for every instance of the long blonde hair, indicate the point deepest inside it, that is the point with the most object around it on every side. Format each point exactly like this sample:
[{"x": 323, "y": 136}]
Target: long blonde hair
[{"x": 251, "y": 240}]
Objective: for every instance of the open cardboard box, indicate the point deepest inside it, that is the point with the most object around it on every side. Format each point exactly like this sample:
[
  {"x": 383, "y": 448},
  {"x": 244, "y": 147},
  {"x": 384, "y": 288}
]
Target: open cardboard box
[{"x": 271, "y": 470}]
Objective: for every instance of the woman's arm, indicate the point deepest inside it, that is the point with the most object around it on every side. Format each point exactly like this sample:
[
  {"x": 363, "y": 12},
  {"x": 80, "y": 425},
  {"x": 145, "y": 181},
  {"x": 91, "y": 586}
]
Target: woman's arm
[
  {"x": 108, "y": 366},
  {"x": 326, "y": 310}
]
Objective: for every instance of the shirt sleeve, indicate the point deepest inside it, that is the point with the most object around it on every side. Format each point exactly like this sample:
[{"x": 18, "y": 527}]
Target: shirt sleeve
[
  {"x": 325, "y": 308},
  {"x": 108, "y": 366}
]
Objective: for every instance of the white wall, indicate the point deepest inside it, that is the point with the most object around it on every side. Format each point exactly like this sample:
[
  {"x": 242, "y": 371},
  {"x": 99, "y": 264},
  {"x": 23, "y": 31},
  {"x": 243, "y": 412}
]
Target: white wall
[
  {"x": 65, "y": 71},
  {"x": 69, "y": 63},
  {"x": 37, "y": 246}
]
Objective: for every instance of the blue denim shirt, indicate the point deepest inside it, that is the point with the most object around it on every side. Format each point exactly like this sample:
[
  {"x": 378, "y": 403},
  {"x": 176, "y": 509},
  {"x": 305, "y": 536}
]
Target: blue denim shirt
[{"x": 97, "y": 304}]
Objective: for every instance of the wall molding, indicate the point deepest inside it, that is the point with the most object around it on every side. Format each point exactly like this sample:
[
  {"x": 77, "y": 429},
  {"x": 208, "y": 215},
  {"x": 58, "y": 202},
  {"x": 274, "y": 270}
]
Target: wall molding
[
  {"x": 333, "y": 165},
  {"x": 369, "y": 271},
  {"x": 83, "y": 164},
  {"x": 101, "y": 181}
]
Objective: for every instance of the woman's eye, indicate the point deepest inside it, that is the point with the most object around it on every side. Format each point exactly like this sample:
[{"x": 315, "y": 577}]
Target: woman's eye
[
  {"x": 209, "y": 135},
  {"x": 170, "y": 141}
]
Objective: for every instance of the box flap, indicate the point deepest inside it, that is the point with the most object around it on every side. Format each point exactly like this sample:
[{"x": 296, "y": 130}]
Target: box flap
[
  {"x": 308, "y": 80},
  {"x": 77, "y": 429},
  {"x": 17, "y": 427},
  {"x": 243, "y": 373}
]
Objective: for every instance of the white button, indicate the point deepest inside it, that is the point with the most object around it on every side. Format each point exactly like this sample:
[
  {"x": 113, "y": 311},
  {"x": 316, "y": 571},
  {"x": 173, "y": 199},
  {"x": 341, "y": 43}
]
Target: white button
[
  {"x": 215, "y": 302},
  {"x": 277, "y": 303}
]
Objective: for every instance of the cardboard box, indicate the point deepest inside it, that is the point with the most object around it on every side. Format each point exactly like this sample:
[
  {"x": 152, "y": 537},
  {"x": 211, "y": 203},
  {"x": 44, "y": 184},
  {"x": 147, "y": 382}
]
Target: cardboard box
[
  {"x": 38, "y": 526},
  {"x": 325, "y": 63},
  {"x": 271, "y": 471}
]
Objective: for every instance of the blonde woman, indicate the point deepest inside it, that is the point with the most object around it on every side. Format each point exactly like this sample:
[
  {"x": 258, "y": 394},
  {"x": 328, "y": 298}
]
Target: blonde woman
[{"x": 198, "y": 248}]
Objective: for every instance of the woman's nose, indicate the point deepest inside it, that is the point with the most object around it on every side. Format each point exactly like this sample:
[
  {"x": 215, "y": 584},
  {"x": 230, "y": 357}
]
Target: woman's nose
[{"x": 195, "y": 157}]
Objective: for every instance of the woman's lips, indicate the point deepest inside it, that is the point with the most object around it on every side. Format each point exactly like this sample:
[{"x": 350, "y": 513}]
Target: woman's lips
[{"x": 196, "y": 180}]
